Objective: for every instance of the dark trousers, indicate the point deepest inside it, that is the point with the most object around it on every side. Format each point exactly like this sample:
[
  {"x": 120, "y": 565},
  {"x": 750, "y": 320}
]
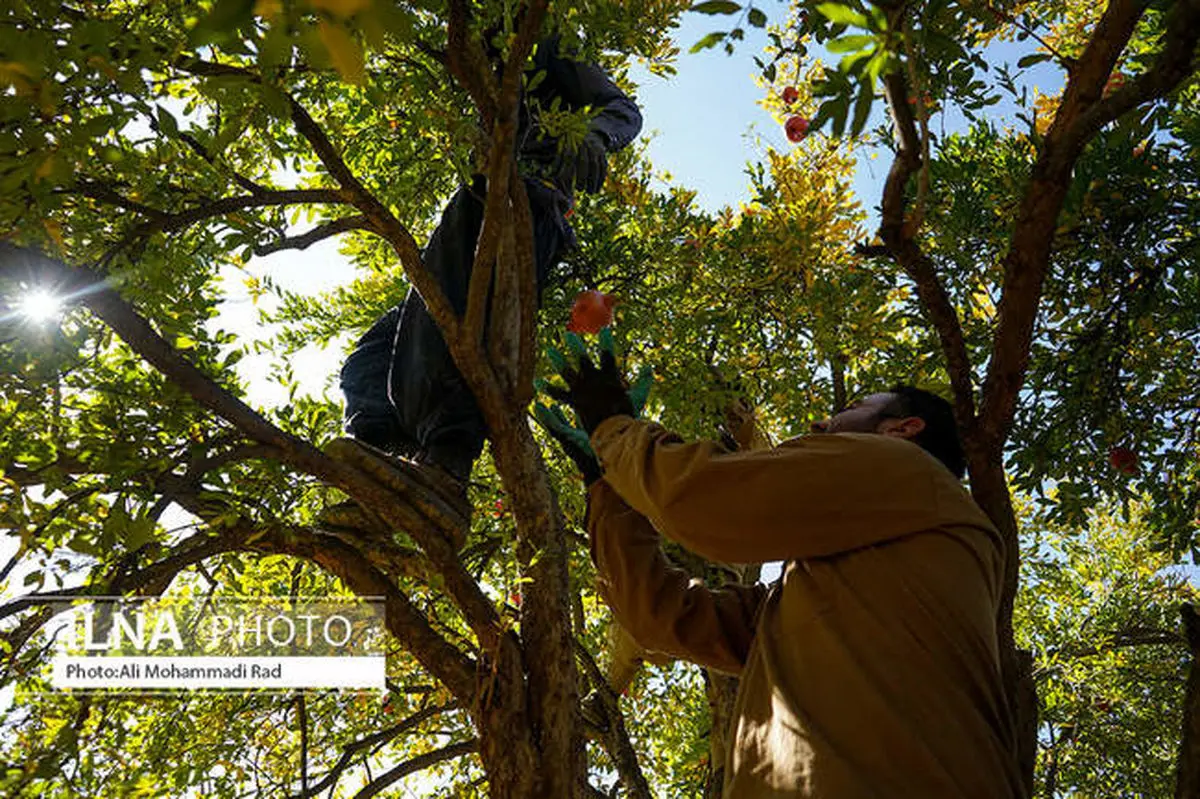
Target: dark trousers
[{"x": 403, "y": 391}]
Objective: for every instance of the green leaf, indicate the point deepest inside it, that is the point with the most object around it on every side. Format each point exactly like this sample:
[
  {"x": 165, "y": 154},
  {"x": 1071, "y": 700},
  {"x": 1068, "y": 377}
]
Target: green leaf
[
  {"x": 862, "y": 108},
  {"x": 1036, "y": 58},
  {"x": 839, "y": 109},
  {"x": 842, "y": 15},
  {"x": 166, "y": 122},
  {"x": 275, "y": 49},
  {"x": 711, "y": 40},
  {"x": 850, "y": 44},
  {"x": 716, "y": 7},
  {"x": 757, "y": 18}
]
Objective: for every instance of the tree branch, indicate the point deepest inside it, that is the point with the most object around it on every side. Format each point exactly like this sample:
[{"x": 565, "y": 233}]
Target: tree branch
[
  {"x": 527, "y": 300},
  {"x": 1174, "y": 63},
  {"x": 371, "y": 741},
  {"x": 381, "y": 219},
  {"x": 498, "y": 210},
  {"x": 467, "y": 61},
  {"x": 419, "y": 763},
  {"x": 416, "y": 512},
  {"x": 164, "y": 222},
  {"x": 319, "y": 233},
  {"x": 616, "y": 739},
  {"x": 898, "y": 239},
  {"x": 1080, "y": 115},
  {"x": 195, "y": 146}
]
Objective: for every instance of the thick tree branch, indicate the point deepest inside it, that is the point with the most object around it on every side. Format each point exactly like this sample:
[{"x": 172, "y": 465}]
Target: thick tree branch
[
  {"x": 503, "y": 322},
  {"x": 499, "y": 209},
  {"x": 527, "y": 300},
  {"x": 467, "y": 61},
  {"x": 321, "y": 232},
  {"x": 404, "y": 620},
  {"x": 1174, "y": 64},
  {"x": 412, "y": 512},
  {"x": 338, "y": 557},
  {"x": 616, "y": 738},
  {"x": 1033, "y": 232}
]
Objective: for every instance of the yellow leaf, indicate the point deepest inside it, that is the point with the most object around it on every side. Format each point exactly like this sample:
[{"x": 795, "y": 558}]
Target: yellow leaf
[
  {"x": 341, "y": 8},
  {"x": 268, "y": 9},
  {"x": 54, "y": 228},
  {"x": 344, "y": 52},
  {"x": 45, "y": 168},
  {"x": 16, "y": 75}
]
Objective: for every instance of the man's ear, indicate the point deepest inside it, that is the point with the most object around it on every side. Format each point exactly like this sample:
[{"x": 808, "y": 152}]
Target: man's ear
[{"x": 909, "y": 427}]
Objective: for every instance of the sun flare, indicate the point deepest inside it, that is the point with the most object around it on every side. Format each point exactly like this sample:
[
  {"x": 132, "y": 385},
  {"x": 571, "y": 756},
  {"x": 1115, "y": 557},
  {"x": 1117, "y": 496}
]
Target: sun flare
[{"x": 41, "y": 306}]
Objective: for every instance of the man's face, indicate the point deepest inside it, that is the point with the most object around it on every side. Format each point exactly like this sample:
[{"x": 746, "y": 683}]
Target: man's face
[
  {"x": 860, "y": 416},
  {"x": 864, "y": 416}
]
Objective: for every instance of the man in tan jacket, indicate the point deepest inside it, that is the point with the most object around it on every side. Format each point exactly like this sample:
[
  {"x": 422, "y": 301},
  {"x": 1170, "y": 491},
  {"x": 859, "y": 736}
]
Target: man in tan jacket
[{"x": 870, "y": 669}]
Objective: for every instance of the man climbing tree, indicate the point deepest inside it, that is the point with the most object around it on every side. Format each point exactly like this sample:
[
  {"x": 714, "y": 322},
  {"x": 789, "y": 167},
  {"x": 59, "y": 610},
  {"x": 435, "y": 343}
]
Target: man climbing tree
[
  {"x": 404, "y": 394},
  {"x": 871, "y": 667}
]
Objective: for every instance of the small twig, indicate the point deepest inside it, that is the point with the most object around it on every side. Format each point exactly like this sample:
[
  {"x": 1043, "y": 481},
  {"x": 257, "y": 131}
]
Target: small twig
[
  {"x": 918, "y": 214},
  {"x": 324, "y": 231},
  {"x": 1067, "y": 62},
  {"x": 419, "y": 763}
]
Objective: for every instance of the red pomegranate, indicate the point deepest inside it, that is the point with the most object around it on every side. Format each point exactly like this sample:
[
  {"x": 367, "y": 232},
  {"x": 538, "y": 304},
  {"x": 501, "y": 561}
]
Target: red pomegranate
[
  {"x": 592, "y": 311},
  {"x": 796, "y": 128},
  {"x": 1123, "y": 459}
]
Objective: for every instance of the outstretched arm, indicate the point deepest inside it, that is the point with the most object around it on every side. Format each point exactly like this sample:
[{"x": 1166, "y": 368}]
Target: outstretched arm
[
  {"x": 661, "y": 606},
  {"x": 808, "y": 498}
]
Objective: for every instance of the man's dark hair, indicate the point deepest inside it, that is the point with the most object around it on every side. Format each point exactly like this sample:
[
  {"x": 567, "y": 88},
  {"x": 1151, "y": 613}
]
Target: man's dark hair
[{"x": 940, "y": 436}]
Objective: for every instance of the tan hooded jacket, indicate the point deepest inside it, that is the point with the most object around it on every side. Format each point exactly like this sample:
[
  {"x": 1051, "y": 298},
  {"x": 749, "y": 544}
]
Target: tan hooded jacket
[{"x": 871, "y": 668}]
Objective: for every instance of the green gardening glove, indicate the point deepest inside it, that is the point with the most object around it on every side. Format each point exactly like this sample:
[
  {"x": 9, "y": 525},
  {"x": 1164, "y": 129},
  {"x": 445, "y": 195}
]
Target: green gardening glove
[
  {"x": 574, "y": 442},
  {"x": 594, "y": 393}
]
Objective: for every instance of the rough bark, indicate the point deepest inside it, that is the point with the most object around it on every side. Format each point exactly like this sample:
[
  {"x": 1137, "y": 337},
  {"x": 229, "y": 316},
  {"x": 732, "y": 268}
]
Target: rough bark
[
  {"x": 1187, "y": 774},
  {"x": 721, "y": 690},
  {"x": 545, "y": 609}
]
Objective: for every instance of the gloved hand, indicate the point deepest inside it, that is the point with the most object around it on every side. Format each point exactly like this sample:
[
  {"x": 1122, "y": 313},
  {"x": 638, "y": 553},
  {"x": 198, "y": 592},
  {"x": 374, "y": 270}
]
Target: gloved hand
[
  {"x": 593, "y": 393},
  {"x": 585, "y": 166},
  {"x": 574, "y": 442}
]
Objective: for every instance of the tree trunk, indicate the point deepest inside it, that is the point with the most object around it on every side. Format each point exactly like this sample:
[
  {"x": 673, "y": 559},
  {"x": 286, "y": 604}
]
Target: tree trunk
[
  {"x": 990, "y": 490},
  {"x": 1187, "y": 769},
  {"x": 546, "y": 635},
  {"x": 722, "y": 691}
]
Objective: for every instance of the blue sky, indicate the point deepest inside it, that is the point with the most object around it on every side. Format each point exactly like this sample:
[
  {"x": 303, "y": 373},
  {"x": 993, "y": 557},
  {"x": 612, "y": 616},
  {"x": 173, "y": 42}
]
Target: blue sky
[
  {"x": 705, "y": 122},
  {"x": 703, "y": 125}
]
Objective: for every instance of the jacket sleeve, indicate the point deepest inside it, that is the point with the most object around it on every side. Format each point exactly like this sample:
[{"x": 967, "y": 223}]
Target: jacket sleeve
[
  {"x": 580, "y": 84},
  {"x": 662, "y": 607},
  {"x": 811, "y": 497}
]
